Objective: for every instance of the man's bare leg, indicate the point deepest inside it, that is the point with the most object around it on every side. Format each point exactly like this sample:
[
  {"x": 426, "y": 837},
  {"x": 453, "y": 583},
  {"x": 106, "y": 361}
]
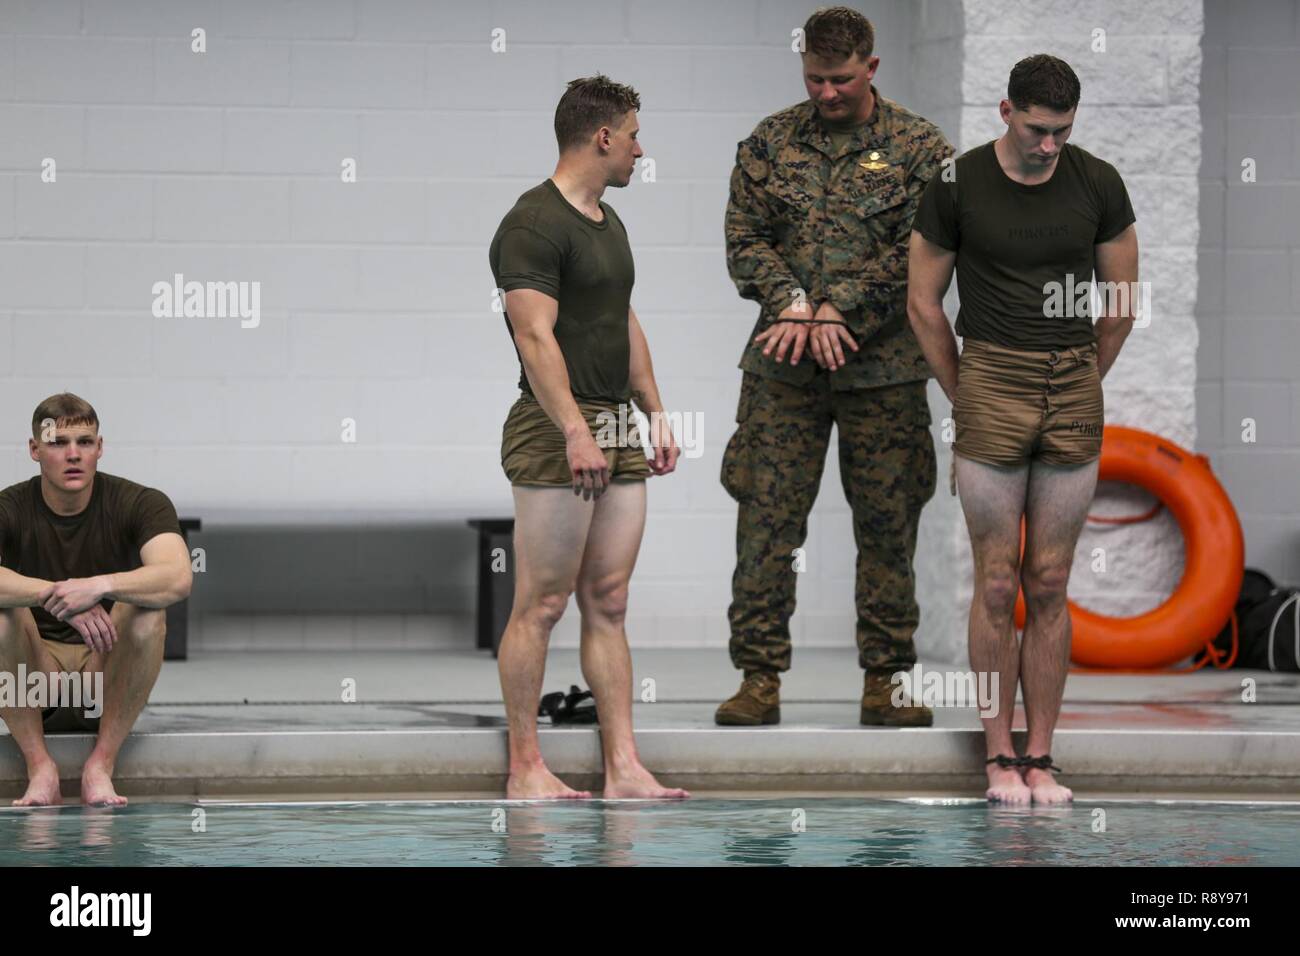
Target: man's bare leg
[
  {"x": 550, "y": 534},
  {"x": 130, "y": 671},
  {"x": 1057, "y": 505},
  {"x": 993, "y": 499},
  {"x": 17, "y": 646},
  {"x": 612, "y": 545}
]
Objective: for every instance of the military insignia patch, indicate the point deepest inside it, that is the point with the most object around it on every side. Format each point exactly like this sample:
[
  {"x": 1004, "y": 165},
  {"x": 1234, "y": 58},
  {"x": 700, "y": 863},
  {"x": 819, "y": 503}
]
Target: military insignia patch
[{"x": 875, "y": 163}]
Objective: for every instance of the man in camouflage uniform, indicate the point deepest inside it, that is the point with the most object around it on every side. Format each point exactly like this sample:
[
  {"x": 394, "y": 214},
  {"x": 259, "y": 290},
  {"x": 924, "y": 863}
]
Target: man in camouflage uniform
[{"x": 817, "y": 226}]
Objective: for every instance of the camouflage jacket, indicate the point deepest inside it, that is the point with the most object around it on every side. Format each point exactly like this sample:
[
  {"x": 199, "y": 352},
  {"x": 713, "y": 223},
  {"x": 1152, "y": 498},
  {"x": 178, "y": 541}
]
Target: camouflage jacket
[{"x": 835, "y": 225}]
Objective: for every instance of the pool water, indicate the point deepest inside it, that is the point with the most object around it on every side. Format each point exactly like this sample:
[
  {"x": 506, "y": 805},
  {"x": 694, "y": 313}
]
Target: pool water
[{"x": 800, "y": 831}]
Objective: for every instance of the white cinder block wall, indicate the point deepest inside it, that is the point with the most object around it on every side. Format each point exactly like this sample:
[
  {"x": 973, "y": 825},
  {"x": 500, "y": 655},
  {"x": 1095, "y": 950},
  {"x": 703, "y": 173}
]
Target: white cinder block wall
[
  {"x": 1249, "y": 263},
  {"x": 376, "y": 297}
]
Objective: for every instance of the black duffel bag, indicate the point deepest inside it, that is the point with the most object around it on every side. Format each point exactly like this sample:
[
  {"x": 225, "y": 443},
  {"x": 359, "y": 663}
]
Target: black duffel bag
[{"x": 1268, "y": 626}]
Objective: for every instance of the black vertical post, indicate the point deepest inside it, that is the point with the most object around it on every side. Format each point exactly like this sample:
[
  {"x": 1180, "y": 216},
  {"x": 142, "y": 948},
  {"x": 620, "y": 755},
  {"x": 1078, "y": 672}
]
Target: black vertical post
[
  {"x": 176, "y": 647},
  {"x": 496, "y": 589}
]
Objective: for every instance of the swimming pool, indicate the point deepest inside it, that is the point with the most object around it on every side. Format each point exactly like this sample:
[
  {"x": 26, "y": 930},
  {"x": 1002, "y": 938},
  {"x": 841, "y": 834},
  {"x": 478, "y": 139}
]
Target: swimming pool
[{"x": 812, "y": 831}]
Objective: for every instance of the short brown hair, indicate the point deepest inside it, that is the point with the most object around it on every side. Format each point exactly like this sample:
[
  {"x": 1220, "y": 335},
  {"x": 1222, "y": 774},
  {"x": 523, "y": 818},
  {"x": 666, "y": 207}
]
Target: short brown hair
[
  {"x": 63, "y": 409},
  {"x": 836, "y": 33},
  {"x": 589, "y": 103},
  {"x": 1043, "y": 80}
]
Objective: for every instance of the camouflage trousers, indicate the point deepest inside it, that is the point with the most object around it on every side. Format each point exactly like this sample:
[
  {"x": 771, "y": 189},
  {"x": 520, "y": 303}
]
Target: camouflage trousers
[{"x": 773, "y": 468}]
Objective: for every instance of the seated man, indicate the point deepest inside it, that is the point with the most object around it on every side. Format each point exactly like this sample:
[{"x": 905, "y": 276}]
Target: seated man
[{"x": 89, "y": 565}]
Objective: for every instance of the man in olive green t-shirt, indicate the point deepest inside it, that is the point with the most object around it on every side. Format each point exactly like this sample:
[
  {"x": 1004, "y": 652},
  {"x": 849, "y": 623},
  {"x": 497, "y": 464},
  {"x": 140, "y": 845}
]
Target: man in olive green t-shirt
[
  {"x": 546, "y": 244},
  {"x": 1025, "y": 221},
  {"x": 90, "y": 563},
  {"x": 562, "y": 262}
]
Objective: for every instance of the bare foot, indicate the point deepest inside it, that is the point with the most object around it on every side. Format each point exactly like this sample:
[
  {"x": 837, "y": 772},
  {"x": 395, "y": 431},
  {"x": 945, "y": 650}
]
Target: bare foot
[
  {"x": 1045, "y": 789},
  {"x": 1006, "y": 786},
  {"x": 540, "y": 784},
  {"x": 638, "y": 782},
  {"x": 42, "y": 787},
  {"x": 97, "y": 786}
]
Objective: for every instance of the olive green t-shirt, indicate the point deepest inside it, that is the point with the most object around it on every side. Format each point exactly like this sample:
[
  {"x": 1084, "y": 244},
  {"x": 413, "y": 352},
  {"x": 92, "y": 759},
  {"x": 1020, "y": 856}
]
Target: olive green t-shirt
[
  {"x": 1024, "y": 252},
  {"x": 104, "y": 538},
  {"x": 545, "y": 243}
]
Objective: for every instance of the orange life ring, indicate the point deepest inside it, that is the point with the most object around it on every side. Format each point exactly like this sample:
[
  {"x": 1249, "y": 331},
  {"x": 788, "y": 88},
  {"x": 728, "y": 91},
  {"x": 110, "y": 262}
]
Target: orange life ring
[{"x": 1212, "y": 572}]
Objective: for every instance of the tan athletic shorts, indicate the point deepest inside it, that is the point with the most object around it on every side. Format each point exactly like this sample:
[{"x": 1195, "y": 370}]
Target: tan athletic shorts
[
  {"x": 533, "y": 449},
  {"x": 70, "y": 659},
  {"x": 1013, "y": 406}
]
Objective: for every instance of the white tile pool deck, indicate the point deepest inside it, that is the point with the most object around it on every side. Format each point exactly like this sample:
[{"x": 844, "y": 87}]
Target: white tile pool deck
[{"x": 430, "y": 723}]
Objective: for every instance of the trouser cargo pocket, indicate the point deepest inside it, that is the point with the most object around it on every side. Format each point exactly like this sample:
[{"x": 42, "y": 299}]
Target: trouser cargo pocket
[{"x": 738, "y": 459}]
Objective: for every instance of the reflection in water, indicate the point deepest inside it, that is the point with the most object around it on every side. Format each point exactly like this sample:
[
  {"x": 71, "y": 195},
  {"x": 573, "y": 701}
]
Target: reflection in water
[
  {"x": 72, "y": 835},
  {"x": 528, "y": 839},
  {"x": 626, "y": 831},
  {"x": 759, "y": 833},
  {"x": 801, "y": 831},
  {"x": 889, "y": 846},
  {"x": 97, "y": 827},
  {"x": 38, "y": 830}
]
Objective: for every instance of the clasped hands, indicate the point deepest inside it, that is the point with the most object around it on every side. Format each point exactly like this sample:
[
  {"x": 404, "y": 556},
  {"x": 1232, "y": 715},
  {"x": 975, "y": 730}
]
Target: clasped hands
[
  {"x": 76, "y": 602},
  {"x": 825, "y": 337}
]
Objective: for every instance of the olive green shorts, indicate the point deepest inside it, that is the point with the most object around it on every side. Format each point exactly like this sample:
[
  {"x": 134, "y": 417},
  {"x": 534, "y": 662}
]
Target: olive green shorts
[
  {"x": 533, "y": 448},
  {"x": 1013, "y": 406}
]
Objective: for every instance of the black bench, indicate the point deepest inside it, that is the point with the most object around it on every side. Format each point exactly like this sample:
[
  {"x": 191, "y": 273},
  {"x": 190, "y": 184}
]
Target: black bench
[{"x": 496, "y": 589}]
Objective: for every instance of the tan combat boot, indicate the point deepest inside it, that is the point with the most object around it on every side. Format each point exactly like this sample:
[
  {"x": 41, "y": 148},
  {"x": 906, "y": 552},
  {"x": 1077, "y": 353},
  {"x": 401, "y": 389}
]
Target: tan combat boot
[
  {"x": 878, "y": 708},
  {"x": 757, "y": 702}
]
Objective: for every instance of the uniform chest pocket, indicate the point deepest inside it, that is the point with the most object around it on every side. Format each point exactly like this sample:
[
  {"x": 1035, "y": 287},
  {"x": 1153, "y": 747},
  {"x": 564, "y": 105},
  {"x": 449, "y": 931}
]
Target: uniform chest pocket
[
  {"x": 876, "y": 192},
  {"x": 793, "y": 196}
]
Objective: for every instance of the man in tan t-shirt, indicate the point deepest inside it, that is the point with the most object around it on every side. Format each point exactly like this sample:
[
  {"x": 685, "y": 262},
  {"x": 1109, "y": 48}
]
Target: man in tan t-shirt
[{"x": 90, "y": 564}]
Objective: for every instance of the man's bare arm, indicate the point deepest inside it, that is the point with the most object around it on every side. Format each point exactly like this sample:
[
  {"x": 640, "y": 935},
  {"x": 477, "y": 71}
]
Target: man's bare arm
[
  {"x": 641, "y": 373},
  {"x": 645, "y": 392},
  {"x": 163, "y": 579},
  {"x": 17, "y": 590},
  {"x": 532, "y": 317},
  {"x": 929, "y": 273},
  {"x": 532, "y": 320},
  {"x": 1117, "y": 261}
]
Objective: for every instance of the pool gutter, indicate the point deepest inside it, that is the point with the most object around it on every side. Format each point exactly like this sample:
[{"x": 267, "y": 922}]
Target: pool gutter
[{"x": 781, "y": 759}]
